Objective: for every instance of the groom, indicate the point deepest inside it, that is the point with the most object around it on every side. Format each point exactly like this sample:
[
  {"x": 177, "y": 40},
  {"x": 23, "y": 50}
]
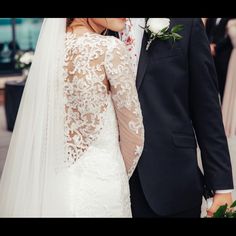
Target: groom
[{"x": 177, "y": 88}]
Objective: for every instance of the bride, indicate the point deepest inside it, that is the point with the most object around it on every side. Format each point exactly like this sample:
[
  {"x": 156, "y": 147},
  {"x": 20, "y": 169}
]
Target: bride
[{"x": 79, "y": 131}]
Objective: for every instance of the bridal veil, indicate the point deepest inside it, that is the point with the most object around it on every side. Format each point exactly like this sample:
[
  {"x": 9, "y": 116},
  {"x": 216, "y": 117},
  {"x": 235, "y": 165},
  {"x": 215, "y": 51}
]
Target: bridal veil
[{"x": 39, "y": 121}]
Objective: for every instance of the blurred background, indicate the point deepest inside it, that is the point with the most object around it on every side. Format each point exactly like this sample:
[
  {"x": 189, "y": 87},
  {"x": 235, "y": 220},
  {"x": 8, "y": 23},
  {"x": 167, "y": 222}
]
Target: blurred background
[
  {"x": 18, "y": 38},
  {"x": 16, "y": 34}
]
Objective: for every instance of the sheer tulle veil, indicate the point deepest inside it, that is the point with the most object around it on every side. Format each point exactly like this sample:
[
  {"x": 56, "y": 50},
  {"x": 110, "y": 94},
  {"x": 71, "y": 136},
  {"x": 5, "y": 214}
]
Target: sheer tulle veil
[{"x": 36, "y": 150}]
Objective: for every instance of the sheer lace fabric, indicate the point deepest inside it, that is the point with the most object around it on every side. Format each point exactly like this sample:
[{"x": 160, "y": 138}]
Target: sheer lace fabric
[
  {"x": 77, "y": 126},
  {"x": 91, "y": 60}
]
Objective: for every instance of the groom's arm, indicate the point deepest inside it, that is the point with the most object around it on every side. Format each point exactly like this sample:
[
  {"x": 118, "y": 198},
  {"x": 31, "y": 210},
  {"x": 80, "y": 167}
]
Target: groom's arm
[{"x": 206, "y": 112}]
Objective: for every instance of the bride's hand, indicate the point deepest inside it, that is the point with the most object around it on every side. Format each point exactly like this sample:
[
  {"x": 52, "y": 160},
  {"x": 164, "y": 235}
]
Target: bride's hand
[{"x": 219, "y": 199}]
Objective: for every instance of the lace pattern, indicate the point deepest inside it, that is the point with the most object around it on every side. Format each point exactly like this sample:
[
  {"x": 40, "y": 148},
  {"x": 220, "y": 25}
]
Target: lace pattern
[
  {"x": 124, "y": 94},
  {"x": 92, "y": 60},
  {"x": 85, "y": 93}
]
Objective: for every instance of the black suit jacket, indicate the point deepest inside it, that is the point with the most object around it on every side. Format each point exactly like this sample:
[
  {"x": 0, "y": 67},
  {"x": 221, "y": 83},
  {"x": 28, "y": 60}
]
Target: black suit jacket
[
  {"x": 218, "y": 34},
  {"x": 177, "y": 88}
]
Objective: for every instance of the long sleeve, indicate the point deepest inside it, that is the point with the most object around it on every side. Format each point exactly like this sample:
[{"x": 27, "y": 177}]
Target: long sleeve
[
  {"x": 126, "y": 103},
  {"x": 206, "y": 112}
]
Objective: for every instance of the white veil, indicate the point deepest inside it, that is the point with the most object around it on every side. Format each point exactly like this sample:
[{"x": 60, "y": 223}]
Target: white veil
[{"x": 37, "y": 141}]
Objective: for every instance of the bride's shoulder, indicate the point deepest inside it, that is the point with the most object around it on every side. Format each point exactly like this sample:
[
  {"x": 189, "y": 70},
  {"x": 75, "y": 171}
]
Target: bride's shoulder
[
  {"x": 115, "y": 41},
  {"x": 94, "y": 38},
  {"x": 110, "y": 41},
  {"x": 110, "y": 44},
  {"x": 106, "y": 44},
  {"x": 114, "y": 44}
]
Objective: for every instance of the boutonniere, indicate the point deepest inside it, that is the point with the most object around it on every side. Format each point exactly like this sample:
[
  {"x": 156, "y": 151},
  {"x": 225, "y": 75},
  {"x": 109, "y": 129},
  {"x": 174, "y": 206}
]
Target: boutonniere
[{"x": 159, "y": 28}]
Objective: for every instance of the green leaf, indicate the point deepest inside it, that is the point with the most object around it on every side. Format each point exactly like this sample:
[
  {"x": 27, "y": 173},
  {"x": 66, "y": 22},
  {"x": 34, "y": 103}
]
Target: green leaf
[
  {"x": 177, "y": 36},
  {"x": 233, "y": 205},
  {"x": 228, "y": 214},
  {"x": 164, "y": 37},
  {"x": 234, "y": 214},
  {"x": 220, "y": 213},
  {"x": 164, "y": 30},
  {"x": 177, "y": 28}
]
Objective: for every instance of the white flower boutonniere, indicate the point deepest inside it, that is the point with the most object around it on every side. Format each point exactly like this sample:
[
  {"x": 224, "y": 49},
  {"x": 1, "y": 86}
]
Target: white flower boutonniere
[{"x": 159, "y": 28}]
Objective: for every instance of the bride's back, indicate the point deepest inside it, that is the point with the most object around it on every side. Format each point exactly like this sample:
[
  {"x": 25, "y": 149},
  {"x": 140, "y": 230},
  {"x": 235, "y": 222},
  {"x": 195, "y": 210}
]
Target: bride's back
[
  {"x": 98, "y": 72},
  {"x": 86, "y": 90}
]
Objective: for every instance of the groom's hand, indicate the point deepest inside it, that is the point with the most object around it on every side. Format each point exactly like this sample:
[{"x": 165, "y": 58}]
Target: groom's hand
[
  {"x": 213, "y": 49},
  {"x": 219, "y": 199}
]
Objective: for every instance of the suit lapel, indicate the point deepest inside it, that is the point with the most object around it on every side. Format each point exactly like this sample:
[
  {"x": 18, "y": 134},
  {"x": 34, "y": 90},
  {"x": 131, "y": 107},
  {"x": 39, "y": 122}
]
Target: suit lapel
[
  {"x": 144, "y": 58},
  {"x": 143, "y": 62}
]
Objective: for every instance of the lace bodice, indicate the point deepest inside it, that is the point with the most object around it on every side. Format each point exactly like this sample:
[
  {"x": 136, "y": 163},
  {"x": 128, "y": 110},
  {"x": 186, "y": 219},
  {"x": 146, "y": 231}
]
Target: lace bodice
[{"x": 97, "y": 67}]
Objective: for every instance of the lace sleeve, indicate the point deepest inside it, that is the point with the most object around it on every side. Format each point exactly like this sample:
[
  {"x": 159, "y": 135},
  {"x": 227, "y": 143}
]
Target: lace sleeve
[{"x": 126, "y": 103}]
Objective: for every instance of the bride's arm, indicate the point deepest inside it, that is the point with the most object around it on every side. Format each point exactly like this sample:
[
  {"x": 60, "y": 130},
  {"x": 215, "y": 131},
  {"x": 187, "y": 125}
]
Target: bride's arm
[{"x": 126, "y": 103}]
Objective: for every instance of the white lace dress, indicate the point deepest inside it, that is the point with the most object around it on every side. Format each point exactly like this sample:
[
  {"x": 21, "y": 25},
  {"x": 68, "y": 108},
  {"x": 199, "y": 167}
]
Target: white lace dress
[{"x": 103, "y": 129}]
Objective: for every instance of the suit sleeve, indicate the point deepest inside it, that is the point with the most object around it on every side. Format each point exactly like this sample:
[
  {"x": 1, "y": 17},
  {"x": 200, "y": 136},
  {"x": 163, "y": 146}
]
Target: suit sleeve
[{"x": 206, "y": 112}]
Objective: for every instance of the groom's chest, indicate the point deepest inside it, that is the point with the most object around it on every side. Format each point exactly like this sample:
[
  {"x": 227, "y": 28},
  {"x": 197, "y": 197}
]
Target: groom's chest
[
  {"x": 164, "y": 63},
  {"x": 159, "y": 49},
  {"x": 161, "y": 55},
  {"x": 163, "y": 50}
]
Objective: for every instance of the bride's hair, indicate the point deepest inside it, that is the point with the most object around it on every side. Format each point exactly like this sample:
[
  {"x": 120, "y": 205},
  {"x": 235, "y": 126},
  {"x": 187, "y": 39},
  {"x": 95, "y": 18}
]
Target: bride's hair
[{"x": 69, "y": 21}]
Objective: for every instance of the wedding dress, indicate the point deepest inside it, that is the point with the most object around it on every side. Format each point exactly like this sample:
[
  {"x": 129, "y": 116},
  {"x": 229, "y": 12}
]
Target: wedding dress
[{"x": 91, "y": 140}]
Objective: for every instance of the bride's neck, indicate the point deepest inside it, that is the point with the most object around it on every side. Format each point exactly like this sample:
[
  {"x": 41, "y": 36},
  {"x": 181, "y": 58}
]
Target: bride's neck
[{"x": 81, "y": 26}]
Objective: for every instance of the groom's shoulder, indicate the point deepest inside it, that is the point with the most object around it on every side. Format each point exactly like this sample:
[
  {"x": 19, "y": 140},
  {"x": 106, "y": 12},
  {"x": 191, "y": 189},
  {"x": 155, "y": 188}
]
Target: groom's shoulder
[{"x": 186, "y": 22}]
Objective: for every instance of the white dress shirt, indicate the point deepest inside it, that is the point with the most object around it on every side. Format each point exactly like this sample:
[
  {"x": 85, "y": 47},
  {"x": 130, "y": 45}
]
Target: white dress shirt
[{"x": 218, "y": 20}]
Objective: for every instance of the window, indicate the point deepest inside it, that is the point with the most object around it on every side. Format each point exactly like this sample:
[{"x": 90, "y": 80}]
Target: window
[{"x": 16, "y": 34}]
